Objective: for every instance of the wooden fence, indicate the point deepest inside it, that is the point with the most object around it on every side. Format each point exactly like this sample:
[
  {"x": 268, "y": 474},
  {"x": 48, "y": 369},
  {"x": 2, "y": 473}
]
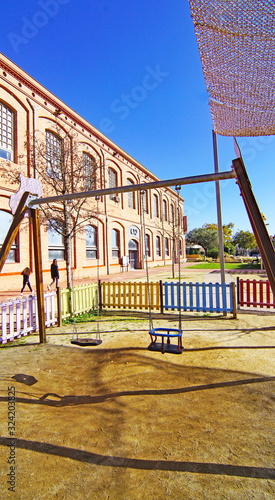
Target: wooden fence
[
  {"x": 253, "y": 293},
  {"x": 131, "y": 295},
  {"x": 19, "y": 317},
  {"x": 201, "y": 297},
  {"x": 82, "y": 298}
]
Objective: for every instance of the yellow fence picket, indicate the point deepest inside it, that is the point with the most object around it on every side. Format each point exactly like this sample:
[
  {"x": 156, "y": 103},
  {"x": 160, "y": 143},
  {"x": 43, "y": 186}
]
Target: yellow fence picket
[{"x": 130, "y": 295}]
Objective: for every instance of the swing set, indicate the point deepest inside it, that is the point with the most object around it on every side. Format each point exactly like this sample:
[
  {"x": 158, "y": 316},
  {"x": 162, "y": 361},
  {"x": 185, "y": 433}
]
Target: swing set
[{"x": 31, "y": 202}]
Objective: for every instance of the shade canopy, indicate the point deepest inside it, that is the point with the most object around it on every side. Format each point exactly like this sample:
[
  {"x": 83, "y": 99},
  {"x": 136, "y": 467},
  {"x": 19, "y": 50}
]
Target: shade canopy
[{"x": 236, "y": 41}]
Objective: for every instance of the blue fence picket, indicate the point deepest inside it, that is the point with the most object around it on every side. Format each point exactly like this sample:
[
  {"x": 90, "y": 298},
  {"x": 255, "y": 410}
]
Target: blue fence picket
[
  {"x": 200, "y": 297},
  {"x": 197, "y": 285},
  {"x": 203, "y": 286}
]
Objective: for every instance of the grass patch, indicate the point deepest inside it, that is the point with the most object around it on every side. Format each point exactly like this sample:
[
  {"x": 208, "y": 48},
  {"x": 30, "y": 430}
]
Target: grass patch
[
  {"x": 216, "y": 265},
  {"x": 82, "y": 318},
  {"x": 91, "y": 316}
]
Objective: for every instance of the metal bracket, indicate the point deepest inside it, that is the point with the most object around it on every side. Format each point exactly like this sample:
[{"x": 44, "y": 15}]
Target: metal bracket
[{"x": 31, "y": 198}]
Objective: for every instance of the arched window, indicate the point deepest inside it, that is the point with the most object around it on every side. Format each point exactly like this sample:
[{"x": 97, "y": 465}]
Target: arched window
[
  {"x": 54, "y": 155},
  {"x": 158, "y": 252},
  {"x": 5, "y": 222},
  {"x": 166, "y": 243},
  {"x": 56, "y": 241},
  {"x": 91, "y": 242},
  {"x": 172, "y": 213},
  {"x": 164, "y": 210},
  {"x": 131, "y": 198},
  {"x": 6, "y": 132},
  {"x": 115, "y": 244},
  {"x": 178, "y": 218},
  {"x": 112, "y": 181},
  {"x": 89, "y": 171},
  {"x": 156, "y": 205},
  {"x": 147, "y": 245},
  {"x": 144, "y": 201}
]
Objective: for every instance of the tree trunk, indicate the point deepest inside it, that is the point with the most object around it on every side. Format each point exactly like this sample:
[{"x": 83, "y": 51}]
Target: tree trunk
[{"x": 68, "y": 245}]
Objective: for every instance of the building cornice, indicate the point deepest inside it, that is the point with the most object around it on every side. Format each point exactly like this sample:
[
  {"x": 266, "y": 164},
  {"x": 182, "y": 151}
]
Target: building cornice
[{"x": 37, "y": 90}]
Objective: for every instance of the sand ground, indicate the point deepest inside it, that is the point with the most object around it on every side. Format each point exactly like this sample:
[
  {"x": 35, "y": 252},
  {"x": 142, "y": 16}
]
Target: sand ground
[{"x": 121, "y": 422}]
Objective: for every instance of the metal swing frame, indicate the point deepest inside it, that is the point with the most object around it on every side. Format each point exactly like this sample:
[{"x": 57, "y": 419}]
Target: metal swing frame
[{"x": 31, "y": 201}]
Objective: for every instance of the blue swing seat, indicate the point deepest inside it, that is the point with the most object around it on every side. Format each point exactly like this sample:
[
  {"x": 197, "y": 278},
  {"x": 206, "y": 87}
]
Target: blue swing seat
[{"x": 167, "y": 333}]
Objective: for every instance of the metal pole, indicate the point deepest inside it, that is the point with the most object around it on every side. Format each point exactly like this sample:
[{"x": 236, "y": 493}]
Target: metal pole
[
  {"x": 134, "y": 187},
  {"x": 219, "y": 209}
]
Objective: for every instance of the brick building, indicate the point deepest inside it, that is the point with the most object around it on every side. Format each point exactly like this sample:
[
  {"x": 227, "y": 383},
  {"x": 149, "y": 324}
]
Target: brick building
[{"x": 27, "y": 108}]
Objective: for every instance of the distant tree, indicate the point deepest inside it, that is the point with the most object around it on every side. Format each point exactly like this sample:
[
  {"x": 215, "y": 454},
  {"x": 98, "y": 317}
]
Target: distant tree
[
  {"x": 205, "y": 237},
  {"x": 227, "y": 231},
  {"x": 244, "y": 240}
]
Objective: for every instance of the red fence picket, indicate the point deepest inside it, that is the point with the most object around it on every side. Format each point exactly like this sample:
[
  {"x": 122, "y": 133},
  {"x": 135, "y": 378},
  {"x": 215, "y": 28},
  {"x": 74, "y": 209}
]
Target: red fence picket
[{"x": 253, "y": 293}]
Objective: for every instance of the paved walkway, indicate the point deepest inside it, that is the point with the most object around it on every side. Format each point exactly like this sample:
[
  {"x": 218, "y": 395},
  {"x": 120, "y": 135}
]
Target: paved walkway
[{"x": 155, "y": 273}]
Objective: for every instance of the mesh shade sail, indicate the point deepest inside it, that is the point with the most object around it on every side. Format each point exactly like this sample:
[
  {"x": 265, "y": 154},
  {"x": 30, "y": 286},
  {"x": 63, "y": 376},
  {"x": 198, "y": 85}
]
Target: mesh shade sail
[{"x": 236, "y": 41}]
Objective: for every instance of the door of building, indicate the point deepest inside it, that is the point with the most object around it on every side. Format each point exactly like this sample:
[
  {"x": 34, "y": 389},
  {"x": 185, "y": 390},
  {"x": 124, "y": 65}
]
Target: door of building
[{"x": 133, "y": 254}]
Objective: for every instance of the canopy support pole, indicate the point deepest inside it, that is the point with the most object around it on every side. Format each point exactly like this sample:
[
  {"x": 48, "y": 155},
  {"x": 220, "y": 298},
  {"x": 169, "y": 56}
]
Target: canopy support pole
[{"x": 219, "y": 209}]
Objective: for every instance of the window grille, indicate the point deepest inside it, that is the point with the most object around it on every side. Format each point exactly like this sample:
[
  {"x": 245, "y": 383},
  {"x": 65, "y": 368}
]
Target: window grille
[
  {"x": 91, "y": 242},
  {"x": 131, "y": 203},
  {"x": 115, "y": 243},
  {"x": 6, "y": 132},
  {"x": 54, "y": 152}
]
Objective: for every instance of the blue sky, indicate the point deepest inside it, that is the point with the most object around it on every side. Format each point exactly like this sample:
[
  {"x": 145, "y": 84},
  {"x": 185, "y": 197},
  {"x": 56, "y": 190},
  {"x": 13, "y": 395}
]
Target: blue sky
[{"x": 132, "y": 69}]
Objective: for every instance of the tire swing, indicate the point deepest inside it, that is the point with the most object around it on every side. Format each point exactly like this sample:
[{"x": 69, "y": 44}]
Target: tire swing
[
  {"x": 85, "y": 342},
  {"x": 163, "y": 333}
]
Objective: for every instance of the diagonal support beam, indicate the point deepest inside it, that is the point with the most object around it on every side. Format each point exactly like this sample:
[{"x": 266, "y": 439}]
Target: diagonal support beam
[
  {"x": 259, "y": 228},
  {"x": 13, "y": 230},
  {"x": 38, "y": 274}
]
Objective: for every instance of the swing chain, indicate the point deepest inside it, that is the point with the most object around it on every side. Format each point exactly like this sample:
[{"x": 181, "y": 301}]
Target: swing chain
[
  {"x": 143, "y": 194},
  {"x": 178, "y": 188}
]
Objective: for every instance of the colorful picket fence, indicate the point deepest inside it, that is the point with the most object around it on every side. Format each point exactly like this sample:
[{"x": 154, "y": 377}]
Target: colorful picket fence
[
  {"x": 201, "y": 297},
  {"x": 19, "y": 317},
  {"x": 255, "y": 293},
  {"x": 131, "y": 295},
  {"x": 80, "y": 299}
]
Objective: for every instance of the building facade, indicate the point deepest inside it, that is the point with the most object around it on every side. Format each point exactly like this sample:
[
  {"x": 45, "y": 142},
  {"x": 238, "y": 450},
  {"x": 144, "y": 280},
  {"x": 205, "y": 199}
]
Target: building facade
[{"x": 124, "y": 229}]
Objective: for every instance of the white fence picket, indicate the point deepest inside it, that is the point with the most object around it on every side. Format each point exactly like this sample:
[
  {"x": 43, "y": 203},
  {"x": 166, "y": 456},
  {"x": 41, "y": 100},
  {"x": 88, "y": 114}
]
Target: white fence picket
[{"x": 20, "y": 316}]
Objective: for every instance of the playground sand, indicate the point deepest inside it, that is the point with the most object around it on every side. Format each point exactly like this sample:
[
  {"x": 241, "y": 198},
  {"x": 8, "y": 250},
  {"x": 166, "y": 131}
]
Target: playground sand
[{"x": 121, "y": 422}]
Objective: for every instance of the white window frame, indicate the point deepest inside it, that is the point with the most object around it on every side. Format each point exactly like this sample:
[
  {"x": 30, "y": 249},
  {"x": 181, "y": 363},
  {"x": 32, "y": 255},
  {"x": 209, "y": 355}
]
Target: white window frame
[
  {"x": 89, "y": 169},
  {"x": 56, "y": 250},
  {"x": 54, "y": 155},
  {"x": 131, "y": 197},
  {"x": 158, "y": 246},
  {"x": 93, "y": 248},
  {"x": 156, "y": 205},
  {"x": 112, "y": 181},
  {"x": 6, "y": 132},
  {"x": 115, "y": 243}
]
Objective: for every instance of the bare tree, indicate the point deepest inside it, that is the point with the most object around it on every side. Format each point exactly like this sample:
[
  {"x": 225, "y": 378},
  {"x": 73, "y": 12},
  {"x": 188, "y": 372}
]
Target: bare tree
[
  {"x": 62, "y": 168},
  {"x": 174, "y": 233}
]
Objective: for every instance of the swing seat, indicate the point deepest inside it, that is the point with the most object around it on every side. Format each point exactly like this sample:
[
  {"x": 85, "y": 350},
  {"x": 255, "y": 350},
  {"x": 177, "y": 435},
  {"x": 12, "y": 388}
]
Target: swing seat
[
  {"x": 86, "y": 342},
  {"x": 163, "y": 347}
]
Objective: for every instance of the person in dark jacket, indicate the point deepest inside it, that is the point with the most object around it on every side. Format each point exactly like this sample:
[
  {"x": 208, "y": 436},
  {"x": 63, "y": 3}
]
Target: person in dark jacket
[
  {"x": 26, "y": 279},
  {"x": 54, "y": 274}
]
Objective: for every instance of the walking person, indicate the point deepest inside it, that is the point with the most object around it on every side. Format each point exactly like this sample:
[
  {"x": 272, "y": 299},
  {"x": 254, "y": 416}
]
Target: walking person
[
  {"x": 26, "y": 279},
  {"x": 54, "y": 274}
]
